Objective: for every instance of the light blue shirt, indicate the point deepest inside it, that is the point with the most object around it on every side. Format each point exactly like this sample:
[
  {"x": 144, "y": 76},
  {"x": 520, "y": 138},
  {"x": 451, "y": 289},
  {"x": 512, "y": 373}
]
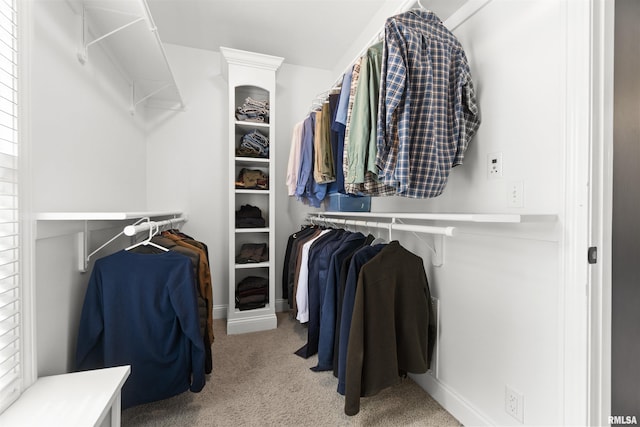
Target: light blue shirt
[{"x": 308, "y": 189}]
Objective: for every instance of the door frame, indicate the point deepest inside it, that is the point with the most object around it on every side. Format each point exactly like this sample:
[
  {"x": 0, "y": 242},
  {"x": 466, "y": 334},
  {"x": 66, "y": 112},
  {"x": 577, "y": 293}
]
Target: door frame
[{"x": 585, "y": 356}]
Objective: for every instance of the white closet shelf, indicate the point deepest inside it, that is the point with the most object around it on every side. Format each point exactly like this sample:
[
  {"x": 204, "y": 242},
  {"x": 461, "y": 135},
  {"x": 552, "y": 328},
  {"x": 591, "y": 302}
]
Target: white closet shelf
[
  {"x": 249, "y": 124},
  {"x": 253, "y": 265},
  {"x": 251, "y": 230},
  {"x": 130, "y": 38},
  {"x": 244, "y": 191},
  {"x": 458, "y": 217},
  {"x": 251, "y": 160},
  {"x": 101, "y": 216}
]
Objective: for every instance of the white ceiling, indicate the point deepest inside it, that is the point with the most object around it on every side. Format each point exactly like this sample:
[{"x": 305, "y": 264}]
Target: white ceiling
[{"x": 312, "y": 33}]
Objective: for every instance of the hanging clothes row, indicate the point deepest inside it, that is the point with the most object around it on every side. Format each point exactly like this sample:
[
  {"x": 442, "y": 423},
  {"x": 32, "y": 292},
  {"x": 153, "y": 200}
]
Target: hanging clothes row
[
  {"x": 367, "y": 307},
  {"x": 150, "y": 306},
  {"x": 402, "y": 118}
]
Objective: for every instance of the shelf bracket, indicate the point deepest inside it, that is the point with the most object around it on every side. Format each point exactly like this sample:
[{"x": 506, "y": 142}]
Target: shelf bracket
[
  {"x": 83, "y": 52},
  {"x": 83, "y": 244},
  {"x": 437, "y": 258},
  {"x": 134, "y": 103},
  {"x": 437, "y": 249}
]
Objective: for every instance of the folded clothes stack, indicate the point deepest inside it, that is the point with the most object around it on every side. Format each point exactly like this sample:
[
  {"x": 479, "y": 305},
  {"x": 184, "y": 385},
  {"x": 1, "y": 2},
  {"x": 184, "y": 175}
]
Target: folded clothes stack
[
  {"x": 253, "y": 111},
  {"x": 252, "y": 179},
  {"x": 252, "y": 292},
  {"x": 249, "y": 217},
  {"x": 252, "y": 252},
  {"x": 253, "y": 144}
]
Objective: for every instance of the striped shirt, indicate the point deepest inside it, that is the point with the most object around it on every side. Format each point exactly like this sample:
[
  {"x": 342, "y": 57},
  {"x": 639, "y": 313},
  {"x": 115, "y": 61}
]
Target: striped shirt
[
  {"x": 427, "y": 111},
  {"x": 362, "y": 146}
]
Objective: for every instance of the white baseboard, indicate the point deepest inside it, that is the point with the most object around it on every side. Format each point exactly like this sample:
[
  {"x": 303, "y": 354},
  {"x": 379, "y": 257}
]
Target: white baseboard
[
  {"x": 252, "y": 324},
  {"x": 455, "y": 404},
  {"x": 220, "y": 310}
]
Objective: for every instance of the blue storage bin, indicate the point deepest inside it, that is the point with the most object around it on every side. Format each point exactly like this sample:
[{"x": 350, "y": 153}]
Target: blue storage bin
[{"x": 338, "y": 202}]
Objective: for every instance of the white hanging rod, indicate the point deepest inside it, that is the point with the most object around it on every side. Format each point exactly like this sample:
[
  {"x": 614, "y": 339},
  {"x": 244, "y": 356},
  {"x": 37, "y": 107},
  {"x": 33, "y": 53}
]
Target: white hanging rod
[
  {"x": 142, "y": 224},
  {"x": 132, "y": 230},
  {"x": 393, "y": 225}
]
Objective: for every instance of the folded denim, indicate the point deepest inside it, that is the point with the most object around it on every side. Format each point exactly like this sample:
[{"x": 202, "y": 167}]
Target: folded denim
[
  {"x": 254, "y": 144},
  {"x": 250, "y": 118},
  {"x": 251, "y": 104},
  {"x": 253, "y": 110}
]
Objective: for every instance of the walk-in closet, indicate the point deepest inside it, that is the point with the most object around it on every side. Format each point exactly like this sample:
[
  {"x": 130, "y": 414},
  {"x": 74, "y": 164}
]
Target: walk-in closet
[{"x": 306, "y": 212}]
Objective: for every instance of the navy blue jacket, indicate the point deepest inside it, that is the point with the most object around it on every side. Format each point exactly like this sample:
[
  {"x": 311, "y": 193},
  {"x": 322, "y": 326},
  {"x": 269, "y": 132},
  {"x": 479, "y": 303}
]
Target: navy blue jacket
[
  {"x": 328, "y": 310},
  {"x": 141, "y": 310},
  {"x": 319, "y": 256}
]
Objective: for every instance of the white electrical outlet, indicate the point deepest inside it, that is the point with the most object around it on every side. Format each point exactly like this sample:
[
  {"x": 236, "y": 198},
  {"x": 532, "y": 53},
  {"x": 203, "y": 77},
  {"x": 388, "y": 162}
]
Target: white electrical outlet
[
  {"x": 514, "y": 404},
  {"x": 494, "y": 165},
  {"x": 515, "y": 194}
]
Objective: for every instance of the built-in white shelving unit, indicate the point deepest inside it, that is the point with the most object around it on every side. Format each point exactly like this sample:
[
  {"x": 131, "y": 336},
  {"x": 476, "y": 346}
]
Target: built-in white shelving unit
[
  {"x": 251, "y": 75},
  {"x": 126, "y": 31}
]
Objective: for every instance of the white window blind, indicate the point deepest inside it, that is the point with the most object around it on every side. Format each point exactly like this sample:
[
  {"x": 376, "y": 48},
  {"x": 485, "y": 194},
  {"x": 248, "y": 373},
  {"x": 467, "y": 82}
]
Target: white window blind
[{"x": 10, "y": 344}]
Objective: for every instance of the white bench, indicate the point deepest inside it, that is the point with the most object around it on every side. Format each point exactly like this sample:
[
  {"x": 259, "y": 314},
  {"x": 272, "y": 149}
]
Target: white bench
[{"x": 75, "y": 399}]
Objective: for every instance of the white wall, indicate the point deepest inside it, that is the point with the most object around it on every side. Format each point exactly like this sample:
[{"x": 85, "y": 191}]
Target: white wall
[
  {"x": 87, "y": 154},
  {"x": 88, "y": 151}
]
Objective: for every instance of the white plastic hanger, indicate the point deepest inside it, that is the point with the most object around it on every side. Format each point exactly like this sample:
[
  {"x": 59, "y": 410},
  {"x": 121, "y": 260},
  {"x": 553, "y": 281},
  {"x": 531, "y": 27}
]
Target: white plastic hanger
[{"x": 148, "y": 241}]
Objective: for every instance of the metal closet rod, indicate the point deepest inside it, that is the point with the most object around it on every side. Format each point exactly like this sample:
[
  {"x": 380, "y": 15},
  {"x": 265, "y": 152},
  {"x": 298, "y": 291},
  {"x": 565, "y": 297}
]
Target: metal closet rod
[
  {"x": 132, "y": 230},
  {"x": 142, "y": 224},
  {"x": 393, "y": 225}
]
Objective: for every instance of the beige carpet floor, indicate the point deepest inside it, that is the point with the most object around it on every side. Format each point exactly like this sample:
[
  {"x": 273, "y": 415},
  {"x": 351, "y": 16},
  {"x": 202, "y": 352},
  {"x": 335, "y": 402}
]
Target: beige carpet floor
[{"x": 257, "y": 380}]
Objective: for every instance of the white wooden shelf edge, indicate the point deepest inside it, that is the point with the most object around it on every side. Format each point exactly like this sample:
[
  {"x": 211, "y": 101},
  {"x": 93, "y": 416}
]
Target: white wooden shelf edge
[
  {"x": 461, "y": 217},
  {"x": 252, "y": 230},
  {"x": 252, "y": 159},
  {"x": 252, "y": 124},
  {"x": 253, "y": 265},
  {"x": 101, "y": 216},
  {"x": 243, "y": 191}
]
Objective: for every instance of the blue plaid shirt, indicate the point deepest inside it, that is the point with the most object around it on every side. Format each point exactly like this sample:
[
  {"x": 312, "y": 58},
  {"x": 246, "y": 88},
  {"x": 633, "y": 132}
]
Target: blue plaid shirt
[{"x": 427, "y": 111}]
